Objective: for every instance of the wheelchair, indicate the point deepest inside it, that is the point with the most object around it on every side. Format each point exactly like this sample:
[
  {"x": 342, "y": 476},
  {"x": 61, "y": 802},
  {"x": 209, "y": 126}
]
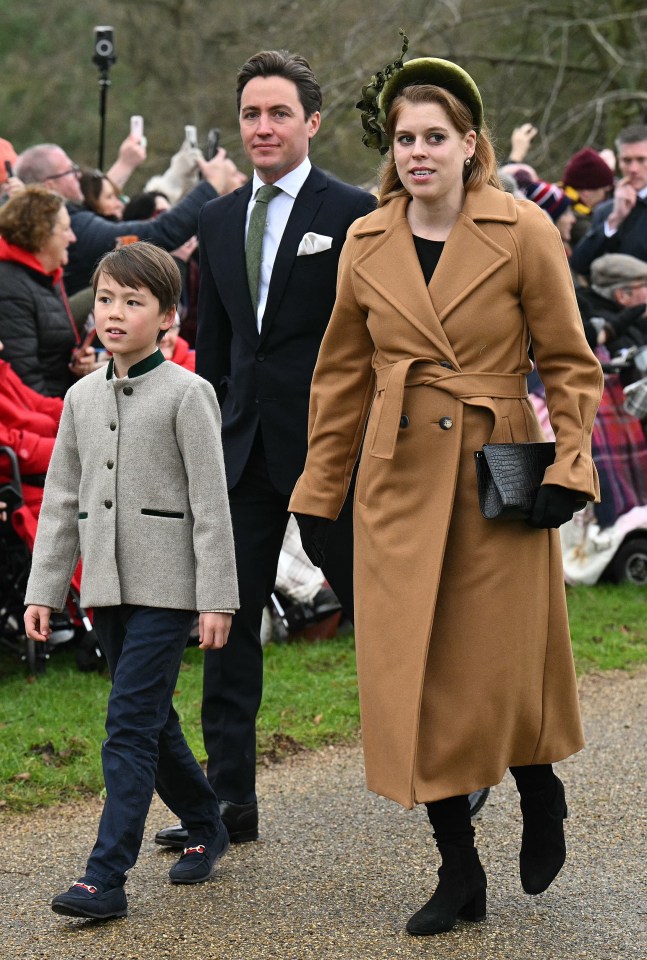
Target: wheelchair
[{"x": 15, "y": 564}]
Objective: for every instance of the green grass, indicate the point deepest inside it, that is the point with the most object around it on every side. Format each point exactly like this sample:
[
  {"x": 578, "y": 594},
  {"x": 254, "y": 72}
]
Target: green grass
[{"x": 51, "y": 729}]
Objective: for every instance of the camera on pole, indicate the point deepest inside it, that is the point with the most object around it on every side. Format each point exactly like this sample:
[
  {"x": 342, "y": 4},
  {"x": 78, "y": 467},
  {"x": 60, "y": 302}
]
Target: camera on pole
[
  {"x": 104, "y": 47},
  {"x": 104, "y": 56}
]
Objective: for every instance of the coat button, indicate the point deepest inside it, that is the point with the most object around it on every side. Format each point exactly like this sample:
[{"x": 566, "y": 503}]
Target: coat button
[
  {"x": 404, "y": 421},
  {"x": 445, "y": 423},
  {"x": 113, "y": 425},
  {"x": 128, "y": 391},
  {"x": 446, "y": 364},
  {"x": 108, "y": 503},
  {"x": 110, "y": 464},
  {"x": 260, "y": 357}
]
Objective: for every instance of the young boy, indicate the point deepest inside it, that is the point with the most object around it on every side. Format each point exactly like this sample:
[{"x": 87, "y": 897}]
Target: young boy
[{"x": 136, "y": 484}]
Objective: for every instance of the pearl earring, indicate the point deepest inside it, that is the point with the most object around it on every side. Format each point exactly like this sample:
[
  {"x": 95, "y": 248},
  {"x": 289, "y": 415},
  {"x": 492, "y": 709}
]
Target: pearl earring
[{"x": 467, "y": 162}]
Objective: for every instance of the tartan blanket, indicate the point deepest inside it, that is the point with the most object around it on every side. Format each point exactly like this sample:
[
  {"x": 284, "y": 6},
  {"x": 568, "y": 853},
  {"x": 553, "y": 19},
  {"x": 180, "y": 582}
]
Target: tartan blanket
[{"x": 619, "y": 451}]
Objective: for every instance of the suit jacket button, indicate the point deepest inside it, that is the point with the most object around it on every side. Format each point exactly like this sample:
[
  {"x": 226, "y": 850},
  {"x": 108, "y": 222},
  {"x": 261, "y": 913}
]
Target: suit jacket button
[
  {"x": 404, "y": 421},
  {"x": 113, "y": 425},
  {"x": 446, "y": 364},
  {"x": 445, "y": 423},
  {"x": 260, "y": 357},
  {"x": 110, "y": 464},
  {"x": 108, "y": 503},
  {"x": 128, "y": 391}
]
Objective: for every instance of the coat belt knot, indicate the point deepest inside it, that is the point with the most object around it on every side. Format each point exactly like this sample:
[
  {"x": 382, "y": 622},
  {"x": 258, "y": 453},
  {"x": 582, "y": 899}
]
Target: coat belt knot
[{"x": 393, "y": 378}]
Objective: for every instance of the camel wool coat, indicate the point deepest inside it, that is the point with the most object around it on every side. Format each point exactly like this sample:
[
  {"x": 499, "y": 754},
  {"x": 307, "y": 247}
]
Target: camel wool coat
[{"x": 463, "y": 648}]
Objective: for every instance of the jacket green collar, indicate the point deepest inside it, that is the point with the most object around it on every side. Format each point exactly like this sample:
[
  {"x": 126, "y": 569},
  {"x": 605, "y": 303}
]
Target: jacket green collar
[{"x": 144, "y": 366}]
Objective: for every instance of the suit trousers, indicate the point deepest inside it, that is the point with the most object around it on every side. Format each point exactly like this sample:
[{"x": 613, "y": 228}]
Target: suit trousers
[
  {"x": 233, "y": 676},
  {"x": 145, "y": 747}
]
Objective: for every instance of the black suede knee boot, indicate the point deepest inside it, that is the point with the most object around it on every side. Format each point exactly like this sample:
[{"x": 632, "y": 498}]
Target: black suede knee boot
[
  {"x": 543, "y": 807},
  {"x": 462, "y": 883}
]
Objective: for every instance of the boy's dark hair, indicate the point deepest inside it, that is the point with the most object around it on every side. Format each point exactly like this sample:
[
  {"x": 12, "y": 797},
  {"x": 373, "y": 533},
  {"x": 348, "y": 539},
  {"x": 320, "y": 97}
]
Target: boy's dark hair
[
  {"x": 290, "y": 66},
  {"x": 143, "y": 264}
]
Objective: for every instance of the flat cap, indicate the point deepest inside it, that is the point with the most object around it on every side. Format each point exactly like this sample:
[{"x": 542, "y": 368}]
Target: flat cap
[{"x": 617, "y": 269}]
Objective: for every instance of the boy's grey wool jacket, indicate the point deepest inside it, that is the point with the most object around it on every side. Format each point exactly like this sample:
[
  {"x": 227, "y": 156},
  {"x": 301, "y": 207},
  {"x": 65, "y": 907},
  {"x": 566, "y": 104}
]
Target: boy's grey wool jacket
[{"x": 137, "y": 485}]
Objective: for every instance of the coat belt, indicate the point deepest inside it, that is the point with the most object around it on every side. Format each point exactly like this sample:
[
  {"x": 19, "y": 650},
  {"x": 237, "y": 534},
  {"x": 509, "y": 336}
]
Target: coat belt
[{"x": 393, "y": 378}]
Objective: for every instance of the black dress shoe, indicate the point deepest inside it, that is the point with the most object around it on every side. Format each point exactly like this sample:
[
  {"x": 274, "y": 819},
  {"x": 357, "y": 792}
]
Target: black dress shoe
[
  {"x": 241, "y": 820},
  {"x": 175, "y": 837}
]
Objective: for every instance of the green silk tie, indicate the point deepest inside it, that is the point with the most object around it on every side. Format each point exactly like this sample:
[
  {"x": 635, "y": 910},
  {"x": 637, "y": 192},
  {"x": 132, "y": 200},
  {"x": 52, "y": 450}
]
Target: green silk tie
[{"x": 255, "y": 231}]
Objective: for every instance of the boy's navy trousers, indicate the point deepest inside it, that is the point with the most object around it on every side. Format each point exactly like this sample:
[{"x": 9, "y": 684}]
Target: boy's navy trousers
[{"x": 145, "y": 748}]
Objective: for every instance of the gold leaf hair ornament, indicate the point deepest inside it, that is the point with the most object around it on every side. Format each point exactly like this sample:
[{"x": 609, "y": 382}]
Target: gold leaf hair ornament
[{"x": 384, "y": 86}]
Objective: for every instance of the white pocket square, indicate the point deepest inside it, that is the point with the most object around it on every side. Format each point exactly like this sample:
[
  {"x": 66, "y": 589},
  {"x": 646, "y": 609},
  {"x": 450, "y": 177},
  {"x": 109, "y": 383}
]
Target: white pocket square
[{"x": 313, "y": 243}]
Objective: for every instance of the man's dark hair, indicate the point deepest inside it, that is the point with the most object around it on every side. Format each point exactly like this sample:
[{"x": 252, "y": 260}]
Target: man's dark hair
[
  {"x": 637, "y": 133},
  {"x": 290, "y": 66}
]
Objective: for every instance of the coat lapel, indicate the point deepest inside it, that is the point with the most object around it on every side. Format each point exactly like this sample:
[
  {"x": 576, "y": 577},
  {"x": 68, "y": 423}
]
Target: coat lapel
[
  {"x": 307, "y": 203},
  {"x": 231, "y": 259},
  {"x": 470, "y": 255},
  {"x": 392, "y": 268}
]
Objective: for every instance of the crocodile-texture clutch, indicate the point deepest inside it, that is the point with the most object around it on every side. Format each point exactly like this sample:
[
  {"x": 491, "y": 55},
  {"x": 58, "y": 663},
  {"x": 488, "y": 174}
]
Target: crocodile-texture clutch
[{"x": 509, "y": 475}]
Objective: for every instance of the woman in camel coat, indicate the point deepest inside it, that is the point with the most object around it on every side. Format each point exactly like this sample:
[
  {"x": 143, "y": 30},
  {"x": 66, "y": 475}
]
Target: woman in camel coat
[{"x": 463, "y": 649}]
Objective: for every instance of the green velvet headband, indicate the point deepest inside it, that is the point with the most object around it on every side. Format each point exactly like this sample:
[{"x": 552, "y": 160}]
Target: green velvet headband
[{"x": 383, "y": 87}]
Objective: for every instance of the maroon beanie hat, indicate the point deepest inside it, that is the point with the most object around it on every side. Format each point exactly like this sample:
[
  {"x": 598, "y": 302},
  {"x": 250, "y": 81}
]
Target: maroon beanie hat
[
  {"x": 586, "y": 170},
  {"x": 549, "y": 197}
]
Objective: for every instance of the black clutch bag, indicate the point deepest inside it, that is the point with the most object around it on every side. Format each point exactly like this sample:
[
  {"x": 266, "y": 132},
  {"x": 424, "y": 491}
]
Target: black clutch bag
[{"x": 509, "y": 475}]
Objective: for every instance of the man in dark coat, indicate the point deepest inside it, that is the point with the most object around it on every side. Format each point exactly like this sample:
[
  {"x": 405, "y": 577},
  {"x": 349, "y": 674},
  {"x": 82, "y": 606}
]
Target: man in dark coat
[
  {"x": 48, "y": 164},
  {"x": 260, "y": 324},
  {"x": 614, "y": 305},
  {"x": 620, "y": 224}
]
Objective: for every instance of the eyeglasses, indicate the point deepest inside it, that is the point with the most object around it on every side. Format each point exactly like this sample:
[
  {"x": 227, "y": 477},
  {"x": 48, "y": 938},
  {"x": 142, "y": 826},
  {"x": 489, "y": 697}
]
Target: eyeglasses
[{"x": 74, "y": 170}]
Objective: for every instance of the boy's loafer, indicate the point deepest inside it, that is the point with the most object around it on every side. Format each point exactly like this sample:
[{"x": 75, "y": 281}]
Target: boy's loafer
[
  {"x": 89, "y": 900},
  {"x": 197, "y": 862}
]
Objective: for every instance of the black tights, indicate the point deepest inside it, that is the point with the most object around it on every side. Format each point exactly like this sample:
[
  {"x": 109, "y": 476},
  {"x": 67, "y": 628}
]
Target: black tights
[{"x": 450, "y": 817}]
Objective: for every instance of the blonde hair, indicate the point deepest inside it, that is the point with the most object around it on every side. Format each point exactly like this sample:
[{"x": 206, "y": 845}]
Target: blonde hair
[{"x": 483, "y": 167}]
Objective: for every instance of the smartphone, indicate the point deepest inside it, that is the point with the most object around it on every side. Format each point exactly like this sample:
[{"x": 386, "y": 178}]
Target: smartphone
[
  {"x": 8, "y": 168},
  {"x": 213, "y": 142},
  {"x": 191, "y": 134},
  {"x": 137, "y": 127}
]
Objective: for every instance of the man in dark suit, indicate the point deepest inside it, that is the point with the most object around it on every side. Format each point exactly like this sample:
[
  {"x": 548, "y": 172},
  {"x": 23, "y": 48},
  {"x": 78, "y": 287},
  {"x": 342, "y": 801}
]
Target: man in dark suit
[
  {"x": 620, "y": 225},
  {"x": 267, "y": 288}
]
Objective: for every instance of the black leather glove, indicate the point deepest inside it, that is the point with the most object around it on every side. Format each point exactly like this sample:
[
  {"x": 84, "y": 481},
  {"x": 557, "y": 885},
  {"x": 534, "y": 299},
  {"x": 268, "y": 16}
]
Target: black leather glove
[
  {"x": 555, "y": 505},
  {"x": 314, "y": 536}
]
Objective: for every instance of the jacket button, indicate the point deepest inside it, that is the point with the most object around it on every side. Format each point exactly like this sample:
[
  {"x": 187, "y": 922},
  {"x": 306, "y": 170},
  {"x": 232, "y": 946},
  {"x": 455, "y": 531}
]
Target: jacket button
[
  {"x": 113, "y": 425},
  {"x": 128, "y": 391},
  {"x": 108, "y": 503},
  {"x": 110, "y": 464},
  {"x": 404, "y": 421},
  {"x": 446, "y": 364},
  {"x": 445, "y": 423},
  {"x": 260, "y": 357}
]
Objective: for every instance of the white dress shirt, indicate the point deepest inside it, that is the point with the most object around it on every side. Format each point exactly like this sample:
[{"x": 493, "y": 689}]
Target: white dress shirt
[{"x": 278, "y": 213}]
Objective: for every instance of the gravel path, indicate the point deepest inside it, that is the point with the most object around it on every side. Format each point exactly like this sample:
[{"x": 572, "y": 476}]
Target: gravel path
[{"x": 338, "y": 871}]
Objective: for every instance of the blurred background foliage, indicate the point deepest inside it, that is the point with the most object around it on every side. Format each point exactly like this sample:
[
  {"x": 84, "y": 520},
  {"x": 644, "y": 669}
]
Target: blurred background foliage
[{"x": 574, "y": 69}]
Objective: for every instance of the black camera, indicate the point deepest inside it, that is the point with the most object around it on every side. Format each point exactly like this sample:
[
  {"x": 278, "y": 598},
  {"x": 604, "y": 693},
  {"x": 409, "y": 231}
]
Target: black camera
[{"x": 104, "y": 47}]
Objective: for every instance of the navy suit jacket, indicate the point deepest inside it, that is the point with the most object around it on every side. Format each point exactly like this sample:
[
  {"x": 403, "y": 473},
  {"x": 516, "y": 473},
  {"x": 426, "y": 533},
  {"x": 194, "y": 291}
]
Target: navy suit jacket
[
  {"x": 631, "y": 237},
  {"x": 265, "y": 378}
]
